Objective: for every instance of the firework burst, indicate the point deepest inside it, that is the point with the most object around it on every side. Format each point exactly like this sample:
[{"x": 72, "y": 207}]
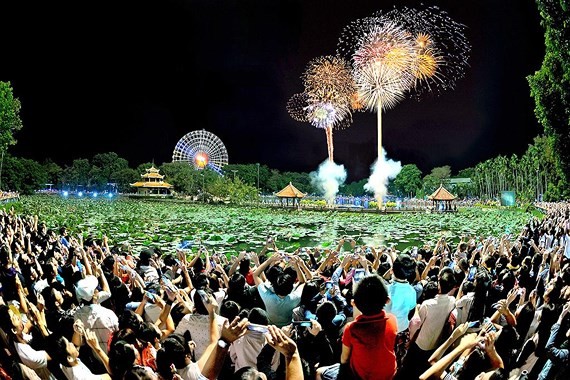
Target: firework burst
[
  {"x": 297, "y": 107},
  {"x": 328, "y": 97},
  {"x": 404, "y": 51},
  {"x": 329, "y": 79},
  {"x": 442, "y": 48}
]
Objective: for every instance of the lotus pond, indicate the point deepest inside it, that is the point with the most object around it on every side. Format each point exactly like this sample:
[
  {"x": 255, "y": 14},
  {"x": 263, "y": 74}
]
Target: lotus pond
[{"x": 229, "y": 229}]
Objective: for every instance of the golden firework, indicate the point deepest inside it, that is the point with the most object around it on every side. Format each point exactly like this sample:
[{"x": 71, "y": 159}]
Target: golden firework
[{"x": 328, "y": 80}]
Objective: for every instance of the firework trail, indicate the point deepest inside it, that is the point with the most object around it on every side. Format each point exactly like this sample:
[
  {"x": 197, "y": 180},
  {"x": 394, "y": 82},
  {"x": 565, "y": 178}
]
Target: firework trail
[
  {"x": 329, "y": 87},
  {"x": 326, "y": 103}
]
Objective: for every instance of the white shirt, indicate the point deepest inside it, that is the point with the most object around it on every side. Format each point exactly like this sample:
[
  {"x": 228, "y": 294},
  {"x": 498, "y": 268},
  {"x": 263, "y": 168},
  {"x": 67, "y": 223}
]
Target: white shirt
[
  {"x": 102, "y": 321},
  {"x": 199, "y": 327},
  {"x": 190, "y": 372},
  {"x": 463, "y": 306},
  {"x": 36, "y": 360},
  {"x": 245, "y": 350},
  {"x": 79, "y": 372},
  {"x": 566, "y": 238},
  {"x": 433, "y": 314}
]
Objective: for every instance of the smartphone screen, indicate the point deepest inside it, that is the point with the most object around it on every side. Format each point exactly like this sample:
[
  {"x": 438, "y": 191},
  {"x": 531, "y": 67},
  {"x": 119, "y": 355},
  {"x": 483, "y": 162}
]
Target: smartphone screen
[
  {"x": 203, "y": 296},
  {"x": 185, "y": 244},
  {"x": 257, "y": 328},
  {"x": 472, "y": 272},
  {"x": 359, "y": 274},
  {"x": 302, "y": 323}
]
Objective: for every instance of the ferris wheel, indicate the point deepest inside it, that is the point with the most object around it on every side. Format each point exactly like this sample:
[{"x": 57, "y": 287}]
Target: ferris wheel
[{"x": 201, "y": 149}]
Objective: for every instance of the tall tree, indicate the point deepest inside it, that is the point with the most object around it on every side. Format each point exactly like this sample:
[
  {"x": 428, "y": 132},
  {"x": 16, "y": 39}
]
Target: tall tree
[
  {"x": 10, "y": 121},
  {"x": 550, "y": 86},
  {"x": 409, "y": 181}
]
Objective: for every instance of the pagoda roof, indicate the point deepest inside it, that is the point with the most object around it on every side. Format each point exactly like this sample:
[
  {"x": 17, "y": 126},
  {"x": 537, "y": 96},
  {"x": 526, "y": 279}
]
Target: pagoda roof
[
  {"x": 152, "y": 184},
  {"x": 290, "y": 191},
  {"x": 442, "y": 194},
  {"x": 152, "y": 172}
]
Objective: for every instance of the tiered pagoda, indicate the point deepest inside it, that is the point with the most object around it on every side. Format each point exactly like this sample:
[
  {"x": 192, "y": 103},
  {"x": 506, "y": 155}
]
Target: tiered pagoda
[{"x": 153, "y": 184}]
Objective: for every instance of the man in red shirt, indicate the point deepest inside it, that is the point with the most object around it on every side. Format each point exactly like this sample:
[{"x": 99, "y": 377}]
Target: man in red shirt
[{"x": 368, "y": 341}]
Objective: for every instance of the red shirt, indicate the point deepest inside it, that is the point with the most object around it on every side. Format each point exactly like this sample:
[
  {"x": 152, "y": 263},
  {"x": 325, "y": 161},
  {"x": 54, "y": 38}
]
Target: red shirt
[
  {"x": 249, "y": 278},
  {"x": 371, "y": 339}
]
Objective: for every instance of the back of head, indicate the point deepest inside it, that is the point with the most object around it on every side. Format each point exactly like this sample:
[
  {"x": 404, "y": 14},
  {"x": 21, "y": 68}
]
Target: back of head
[
  {"x": 446, "y": 281},
  {"x": 310, "y": 290},
  {"x": 283, "y": 284},
  {"x": 149, "y": 333},
  {"x": 404, "y": 267},
  {"x": 272, "y": 273},
  {"x": 130, "y": 319},
  {"x": 121, "y": 358},
  {"x": 244, "y": 266},
  {"x": 370, "y": 295},
  {"x": 108, "y": 263},
  {"x": 430, "y": 291},
  {"x": 468, "y": 286},
  {"x": 259, "y": 316},
  {"x": 139, "y": 373},
  {"x": 201, "y": 281},
  {"x": 237, "y": 282},
  {"x": 229, "y": 309},
  {"x": 145, "y": 256},
  {"x": 171, "y": 352},
  {"x": 247, "y": 373},
  {"x": 200, "y": 308},
  {"x": 6, "y": 320},
  {"x": 326, "y": 313}
]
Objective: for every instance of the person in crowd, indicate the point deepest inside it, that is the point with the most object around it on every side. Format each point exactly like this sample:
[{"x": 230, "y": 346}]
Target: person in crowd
[
  {"x": 402, "y": 300},
  {"x": 75, "y": 308},
  {"x": 283, "y": 293},
  {"x": 433, "y": 314},
  {"x": 367, "y": 342},
  {"x": 104, "y": 322}
]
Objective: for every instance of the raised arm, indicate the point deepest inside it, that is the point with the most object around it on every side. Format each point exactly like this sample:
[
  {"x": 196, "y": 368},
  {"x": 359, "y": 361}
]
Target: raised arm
[
  {"x": 93, "y": 342},
  {"x": 277, "y": 339},
  {"x": 260, "y": 269},
  {"x": 436, "y": 370}
]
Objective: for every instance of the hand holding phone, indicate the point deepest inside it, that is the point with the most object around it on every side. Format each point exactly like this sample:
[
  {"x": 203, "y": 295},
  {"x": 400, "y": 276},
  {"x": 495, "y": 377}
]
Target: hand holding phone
[
  {"x": 472, "y": 272},
  {"x": 257, "y": 328},
  {"x": 203, "y": 296}
]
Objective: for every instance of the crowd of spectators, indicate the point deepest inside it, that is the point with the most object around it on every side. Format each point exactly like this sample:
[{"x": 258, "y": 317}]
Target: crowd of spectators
[{"x": 75, "y": 307}]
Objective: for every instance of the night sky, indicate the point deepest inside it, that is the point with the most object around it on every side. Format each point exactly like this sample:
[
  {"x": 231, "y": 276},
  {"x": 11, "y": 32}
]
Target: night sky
[{"x": 133, "y": 77}]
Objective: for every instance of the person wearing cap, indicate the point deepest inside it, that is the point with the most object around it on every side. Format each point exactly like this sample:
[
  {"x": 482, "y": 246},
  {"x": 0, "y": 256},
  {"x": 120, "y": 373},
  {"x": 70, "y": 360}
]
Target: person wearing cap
[{"x": 103, "y": 321}]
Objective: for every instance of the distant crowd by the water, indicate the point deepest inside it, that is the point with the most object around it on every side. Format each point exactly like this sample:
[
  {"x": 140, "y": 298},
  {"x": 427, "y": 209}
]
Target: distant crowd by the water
[{"x": 465, "y": 307}]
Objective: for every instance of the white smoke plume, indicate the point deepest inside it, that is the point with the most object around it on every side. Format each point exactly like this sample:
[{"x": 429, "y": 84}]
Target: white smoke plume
[
  {"x": 383, "y": 170},
  {"x": 328, "y": 178}
]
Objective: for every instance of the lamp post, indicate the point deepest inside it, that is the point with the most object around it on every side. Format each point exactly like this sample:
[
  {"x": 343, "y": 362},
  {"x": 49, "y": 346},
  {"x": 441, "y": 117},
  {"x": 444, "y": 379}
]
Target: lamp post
[
  {"x": 257, "y": 178},
  {"x": 234, "y": 171},
  {"x": 537, "y": 189},
  {"x": 203, "y": 189}
]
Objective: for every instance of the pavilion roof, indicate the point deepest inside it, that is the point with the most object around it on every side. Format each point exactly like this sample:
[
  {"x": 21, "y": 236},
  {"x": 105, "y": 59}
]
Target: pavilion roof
[
  {"x": 442, "y": 194},
  {"x": 290, "y": 191}
]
